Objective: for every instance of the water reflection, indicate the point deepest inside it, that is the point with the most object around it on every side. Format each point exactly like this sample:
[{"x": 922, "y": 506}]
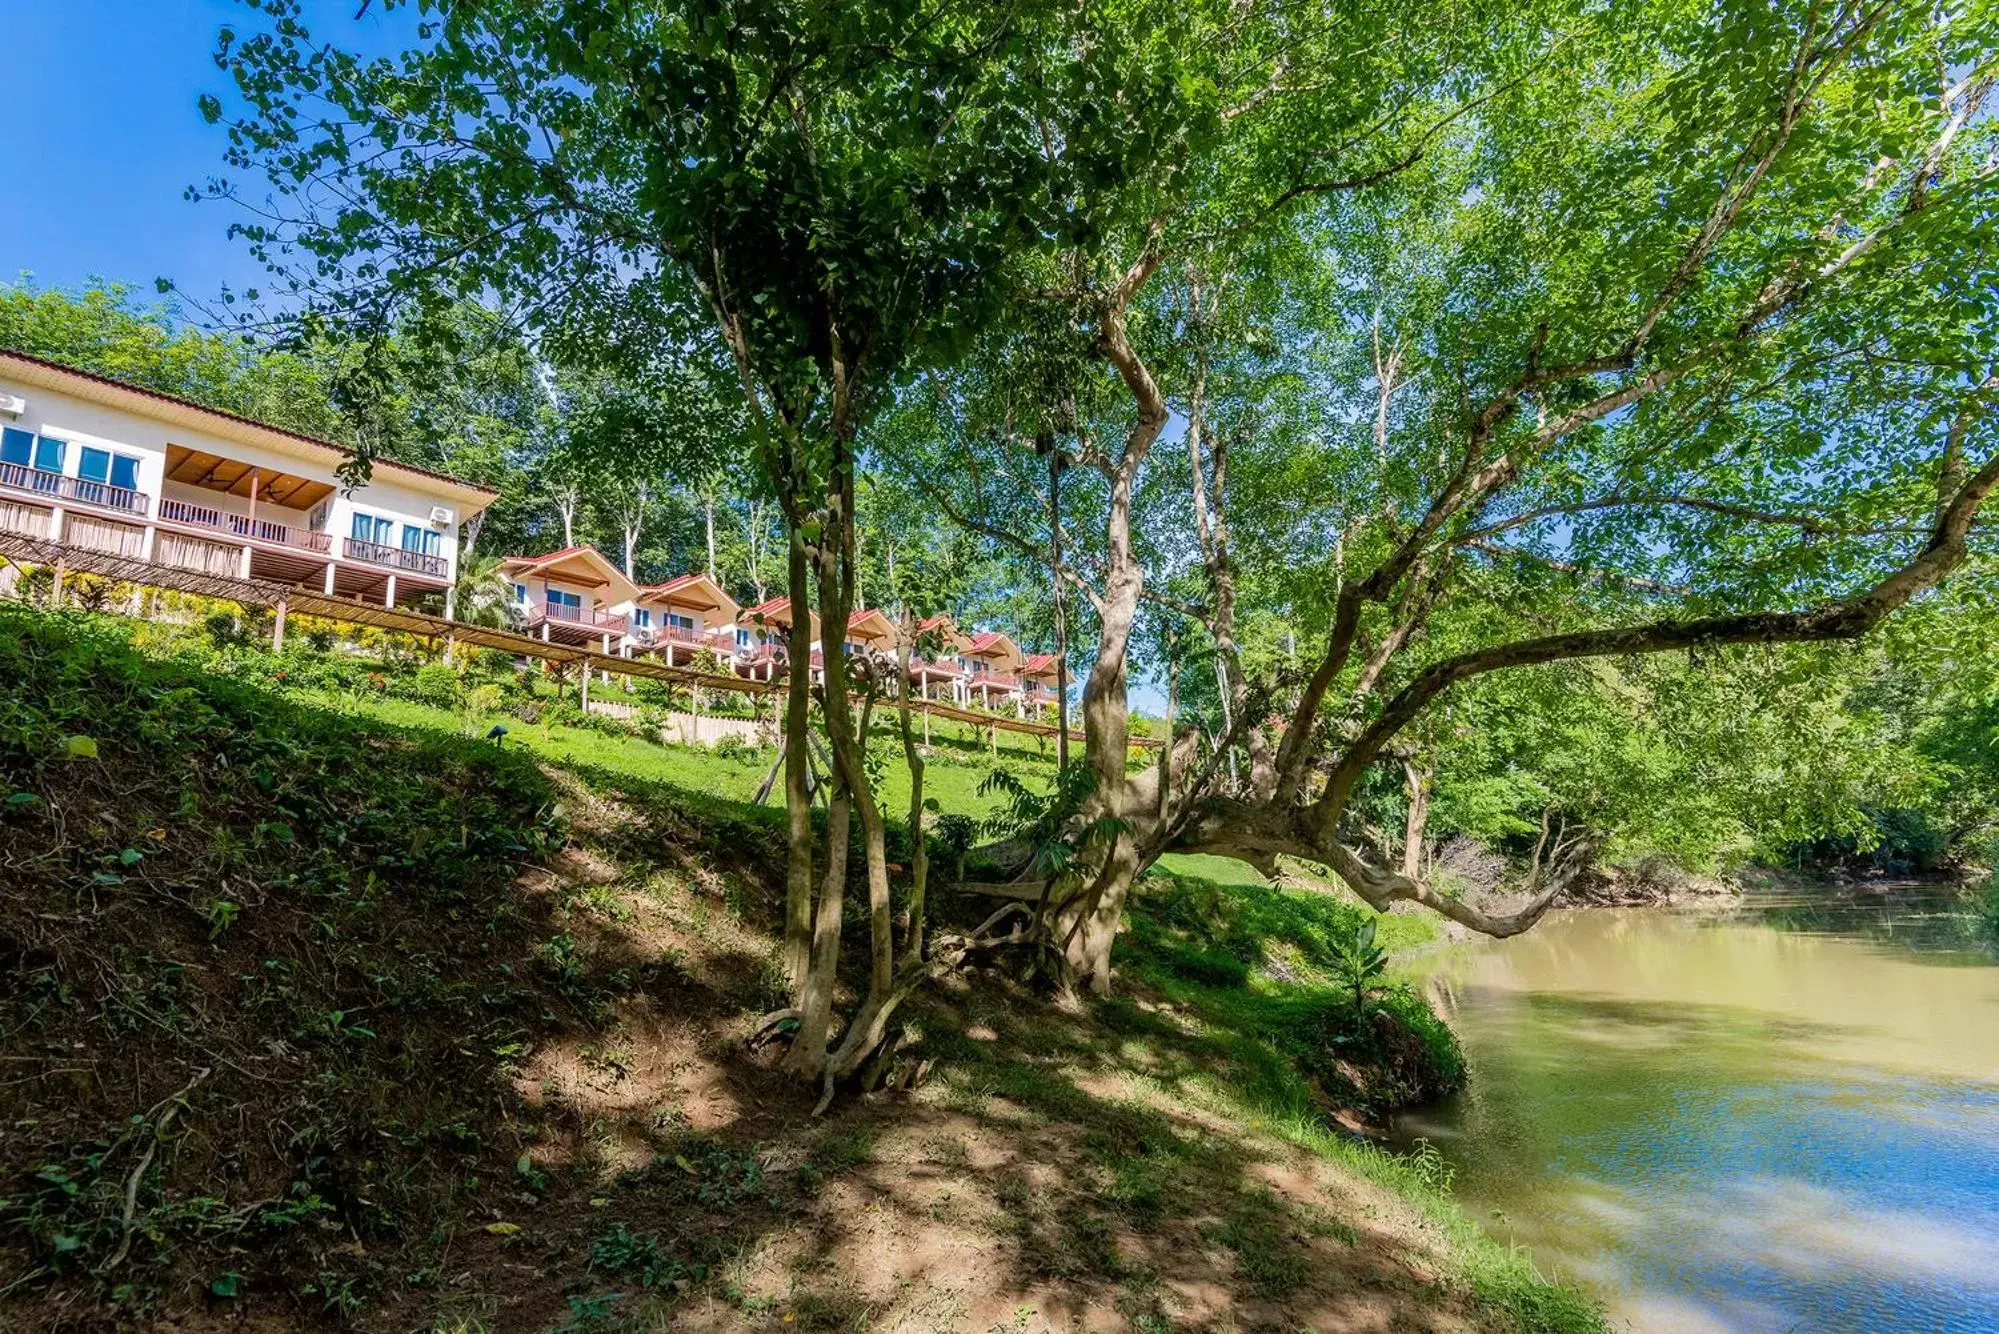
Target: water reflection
[{"x": 1785, "y": 1118}]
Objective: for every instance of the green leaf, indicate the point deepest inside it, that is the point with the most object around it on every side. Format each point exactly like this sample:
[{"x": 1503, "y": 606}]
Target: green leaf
[
  {"x": 80, "y": 747},
  {"x": 228, "y": 1285}
]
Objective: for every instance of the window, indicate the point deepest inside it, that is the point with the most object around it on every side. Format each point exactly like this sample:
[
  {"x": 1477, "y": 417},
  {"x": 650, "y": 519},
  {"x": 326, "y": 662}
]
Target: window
[
  {"x": 369, "y": 528},
  {"x": 48, "y": 454},
  {"x": 679, "y": 622},
  {"x": 17, "y": 446},
  {"x": 521, "y": 594},
  {"x": 742, "y": 639},
  {"x": 643, "y": 618},
  {"x": 559, "y": 598},
  {"x": 100, "y": 465},
  {"x": 424, "y": 540}
]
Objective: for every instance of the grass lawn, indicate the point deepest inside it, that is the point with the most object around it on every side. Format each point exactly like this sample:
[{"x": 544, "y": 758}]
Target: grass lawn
[{"x": 952, "y": 774}]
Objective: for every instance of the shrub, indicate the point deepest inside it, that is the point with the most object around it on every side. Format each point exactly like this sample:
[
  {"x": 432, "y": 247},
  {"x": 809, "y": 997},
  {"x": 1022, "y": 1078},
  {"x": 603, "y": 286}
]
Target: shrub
[
  {"x": 222, "y": 628},
  {"x": 436, "y": 684}
]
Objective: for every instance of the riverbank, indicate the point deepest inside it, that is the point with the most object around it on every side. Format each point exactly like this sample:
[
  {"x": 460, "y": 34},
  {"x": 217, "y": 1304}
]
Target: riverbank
[{"x": 330, "y": 1023}]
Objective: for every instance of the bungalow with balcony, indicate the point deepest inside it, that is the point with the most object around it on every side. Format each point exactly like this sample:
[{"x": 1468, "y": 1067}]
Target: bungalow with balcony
[
  {"x": 571, "y": 596},
  {"x": 940, "y": 672},
  {"x": 107, "y": 467},
  {"x": 762, "y": 633},
  {"x": 681, "y": 618},
  {"x": 1039, "y": 681},
  {"x": 992, "y": 663}
]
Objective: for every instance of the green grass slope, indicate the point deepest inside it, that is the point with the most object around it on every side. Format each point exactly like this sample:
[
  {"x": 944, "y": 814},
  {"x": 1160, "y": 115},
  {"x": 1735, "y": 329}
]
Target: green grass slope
[{"x": 322, "y": 1014}]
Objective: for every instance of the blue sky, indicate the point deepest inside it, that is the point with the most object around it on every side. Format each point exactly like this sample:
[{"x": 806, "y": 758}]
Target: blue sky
[{"x": 101, "y": 138}]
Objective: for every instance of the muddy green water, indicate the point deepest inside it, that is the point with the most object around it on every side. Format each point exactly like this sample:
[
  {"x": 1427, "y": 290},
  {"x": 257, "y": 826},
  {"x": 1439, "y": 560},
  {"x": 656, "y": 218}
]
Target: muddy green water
[{"x": 1784, "y": 1116}]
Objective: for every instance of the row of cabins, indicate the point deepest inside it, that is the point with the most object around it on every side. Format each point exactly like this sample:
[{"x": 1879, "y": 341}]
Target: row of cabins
[
  {"x": 104, "y": 466},
  {"x": 575, "y": 596}
]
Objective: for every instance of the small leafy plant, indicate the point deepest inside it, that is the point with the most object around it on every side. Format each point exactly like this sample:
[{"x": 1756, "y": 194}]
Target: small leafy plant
[{"x": 1359, "y": 964}]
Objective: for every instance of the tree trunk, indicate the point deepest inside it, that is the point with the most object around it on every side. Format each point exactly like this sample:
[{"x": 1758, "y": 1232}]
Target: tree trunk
[
  {"x": 919, "y": 850},
  {"x": 797, "y": 770},
  {"x": 1418, "y": 819},
  {"x": 807, "y": 1057},
  {"x": 708, "y": 506}
]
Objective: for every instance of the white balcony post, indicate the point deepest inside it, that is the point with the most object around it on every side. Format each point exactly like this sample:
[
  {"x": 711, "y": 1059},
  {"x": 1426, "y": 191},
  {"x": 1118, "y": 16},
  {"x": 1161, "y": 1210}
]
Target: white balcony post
[
  {"x": 389, "y": 592},
  {"x": 243, "y": 566},
  {"x": 330, "y": 569},
  {"x": 151, "y": 540},
  {"x": 278, "y": 629},
  {"x": 451, "y": 602},
  {"x": 56, "y": 525}
]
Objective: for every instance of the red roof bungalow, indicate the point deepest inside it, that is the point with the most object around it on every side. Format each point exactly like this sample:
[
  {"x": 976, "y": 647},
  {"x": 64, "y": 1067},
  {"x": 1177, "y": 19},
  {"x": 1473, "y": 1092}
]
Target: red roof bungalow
[
  {"x": 1038, "y": 671},
  {"x": 993, "y": 662},
  {"x": 682, "y": 617},
  {"x": 568, "y": 595}
]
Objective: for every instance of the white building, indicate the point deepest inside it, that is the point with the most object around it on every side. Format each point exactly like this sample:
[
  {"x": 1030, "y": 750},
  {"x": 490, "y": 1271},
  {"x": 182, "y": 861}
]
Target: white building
[{"x": 107, "y": 467}]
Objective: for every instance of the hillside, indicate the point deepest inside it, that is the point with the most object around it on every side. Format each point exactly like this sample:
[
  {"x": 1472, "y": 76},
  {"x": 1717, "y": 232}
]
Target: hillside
[{"x": 317, "y": 1020}]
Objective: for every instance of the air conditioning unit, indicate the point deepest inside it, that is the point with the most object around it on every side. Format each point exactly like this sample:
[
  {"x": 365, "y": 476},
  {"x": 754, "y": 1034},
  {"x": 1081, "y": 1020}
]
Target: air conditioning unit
[
  {"x": 12, "y": 405},
  {"x": 439, "y": 516}
]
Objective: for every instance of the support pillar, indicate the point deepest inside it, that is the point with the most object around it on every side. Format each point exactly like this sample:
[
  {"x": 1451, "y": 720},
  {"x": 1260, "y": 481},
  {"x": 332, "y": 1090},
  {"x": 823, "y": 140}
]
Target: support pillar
[
  {"x": 583, "y": 684},
  {"x": 328, "y": 585},
  {"x": 278, "y": 629},
  {"x": 243, "y": 568},
  {"x": 451, "y": 602},
  {"x": 150, "y": 541},
  {"x": 389, "y": 592},
  {"x": 55, "y": 585},
  {"x": 56, "y": 516}
]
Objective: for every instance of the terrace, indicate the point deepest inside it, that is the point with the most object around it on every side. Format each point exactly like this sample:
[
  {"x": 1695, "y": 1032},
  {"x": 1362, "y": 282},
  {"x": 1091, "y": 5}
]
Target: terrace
[{"x": 56, "y": 489}]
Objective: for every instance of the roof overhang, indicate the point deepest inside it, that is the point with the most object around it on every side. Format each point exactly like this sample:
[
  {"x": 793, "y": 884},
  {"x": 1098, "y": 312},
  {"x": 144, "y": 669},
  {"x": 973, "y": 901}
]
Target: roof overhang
[
  {"x": 584, "y": 567},
  {"x": 36, "y": 373},
  {"x": 691, "y": 590}
]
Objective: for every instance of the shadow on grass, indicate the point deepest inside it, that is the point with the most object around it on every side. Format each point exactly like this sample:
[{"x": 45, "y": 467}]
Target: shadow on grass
[{"x": 329, "y": 1021}]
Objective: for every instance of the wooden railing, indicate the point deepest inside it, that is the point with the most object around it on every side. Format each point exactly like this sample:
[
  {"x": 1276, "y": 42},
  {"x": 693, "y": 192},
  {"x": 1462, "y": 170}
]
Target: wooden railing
[
  {"x": 416, "y": 562},
  {"x": 584, "y": 616},
  {"x": 995, "y": 680},
  {"x": 241, "y": 525},
  {"x": 72, "y": 490}
]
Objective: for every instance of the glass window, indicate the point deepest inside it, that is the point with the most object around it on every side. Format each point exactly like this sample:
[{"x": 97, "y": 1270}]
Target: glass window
[
  {"x": 48, "y": 454},
  {"x": 369, "y": 528},
  {"x": 99, "y": 465},
  {"x": 16, "y": 446},
  {"x": 562, "y": 599},
  {"x": 678, "y": 621},
  {"x": 424, "y": 540},
  {"x": 520, "y": 593},
  {"x": 643, "y": 618},
  {"x": 742, "y": 639}
]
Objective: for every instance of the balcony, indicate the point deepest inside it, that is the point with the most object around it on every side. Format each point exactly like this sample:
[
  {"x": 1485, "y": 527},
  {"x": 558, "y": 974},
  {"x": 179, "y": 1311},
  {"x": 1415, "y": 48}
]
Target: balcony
[
  {"x": 993, "y": 681},
  {"x": 583, "y": 618},
  {"x": 396, "y": 558},
  {"x": 241, "y": 526},
  {"x": 72, "y": 490},
  {"x": 690, "y": 636}
]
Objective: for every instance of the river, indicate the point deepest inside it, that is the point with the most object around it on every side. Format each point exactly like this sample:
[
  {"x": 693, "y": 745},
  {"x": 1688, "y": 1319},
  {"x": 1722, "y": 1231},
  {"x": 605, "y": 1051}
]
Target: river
[{"x": 1780, "y": 1116}]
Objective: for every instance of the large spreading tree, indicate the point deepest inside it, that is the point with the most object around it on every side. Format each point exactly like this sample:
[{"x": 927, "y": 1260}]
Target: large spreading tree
[{"x": 1492, "y": 336}]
